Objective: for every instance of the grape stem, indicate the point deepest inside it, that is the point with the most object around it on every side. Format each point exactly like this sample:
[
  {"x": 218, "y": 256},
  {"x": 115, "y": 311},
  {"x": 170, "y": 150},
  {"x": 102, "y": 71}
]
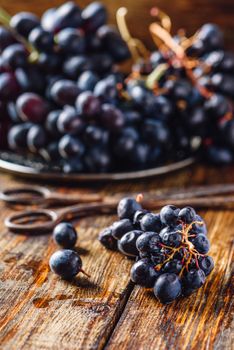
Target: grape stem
[
  {"x": 160, "y": 34},
  {"x": 187, "y": 246},
  {"x": 136, "y": 47}
]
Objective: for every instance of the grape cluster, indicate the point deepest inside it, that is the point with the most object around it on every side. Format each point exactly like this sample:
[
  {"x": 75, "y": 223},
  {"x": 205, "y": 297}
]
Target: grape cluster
[
  {"x": 170, "y": 248},
  {"x": 64, "y": 100}
]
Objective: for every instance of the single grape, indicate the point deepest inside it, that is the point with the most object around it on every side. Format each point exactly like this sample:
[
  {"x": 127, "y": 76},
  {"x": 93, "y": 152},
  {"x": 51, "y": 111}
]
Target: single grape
[
  {"x": 127, "y": 208},
  {"x": 66, "y": 263},
  {"x": 119, "y": 228},
  {"x": 106, "y": 239},
  {"x": 167, "y": 287},
  {"x": 24, "y": 22},
  {"x": 32, "y": 107},
  {"x": 143, "y": 273},
  {"x": 69, "y": 146}
]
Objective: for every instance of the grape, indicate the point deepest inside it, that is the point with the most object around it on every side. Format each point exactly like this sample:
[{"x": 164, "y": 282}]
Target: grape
[
  {"x": 76, "y": 65},
  {"x": 66, "y": 15},
  {"x": 36, "y": 138},
  {"x": 30, "y": 79},
  {"x": 17, "y": 136},
  {"x": 70, "y": 121},
  {"x": 70, "y": 146},
  {"x": 71, "y": 41},
  {"x": 41, "y": 39},
  {"x": 111, "y": 117},
  {"x": 88, "y": 104},
  {"x": 15, "y": 55},
  {"x": 127, "y": 208},
  {"x": 113, "y": 43},
  {"x": 127, "y": 244},
  {"x": 87, "y": 81},
  {"x": 95, "y": 135},
  {"x": 64, "y": 92},
  {"x": 143, "y": 273},
  {"x": 6, "y": 38},
  {"x": 32, "y": 107},
  {"x": 169, "y": 215},
  {"x": 98, "y": 160},
  {"x": 94, "y": 16},
  {"x": 51, "y": 123},
  {"x": 9, "y": 87},
  {"x": 24, "y": 22},
  {"x": 167, "y": 287},
  {"x": 119, "y": 228},
  {"x": 49, "y": 62}
]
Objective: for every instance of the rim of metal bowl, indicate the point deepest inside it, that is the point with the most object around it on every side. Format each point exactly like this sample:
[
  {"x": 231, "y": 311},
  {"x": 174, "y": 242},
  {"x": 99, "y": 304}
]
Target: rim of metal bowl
[{"x": 32, "y": 173}]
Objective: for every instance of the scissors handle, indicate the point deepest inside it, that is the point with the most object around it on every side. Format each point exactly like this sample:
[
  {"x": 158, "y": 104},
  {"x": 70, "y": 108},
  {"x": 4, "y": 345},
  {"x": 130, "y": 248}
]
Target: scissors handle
[
  {"x": 40, "y": 221},
  {"x": 37, "y": 195}
]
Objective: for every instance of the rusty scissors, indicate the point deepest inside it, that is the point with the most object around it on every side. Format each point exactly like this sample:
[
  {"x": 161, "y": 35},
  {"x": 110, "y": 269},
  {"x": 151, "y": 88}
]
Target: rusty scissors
[{"x": 43, "y": 220}]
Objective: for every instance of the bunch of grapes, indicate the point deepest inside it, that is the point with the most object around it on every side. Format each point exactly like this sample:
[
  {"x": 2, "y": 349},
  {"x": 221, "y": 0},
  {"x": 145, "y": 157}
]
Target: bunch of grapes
[
  {"x": 64, "y": 100},
  {"x": 170, "y": 248}
]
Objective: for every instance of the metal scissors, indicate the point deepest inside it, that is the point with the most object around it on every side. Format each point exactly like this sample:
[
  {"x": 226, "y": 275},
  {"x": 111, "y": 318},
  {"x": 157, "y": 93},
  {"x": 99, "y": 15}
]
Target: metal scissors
[{"x": 41, "y": 221}]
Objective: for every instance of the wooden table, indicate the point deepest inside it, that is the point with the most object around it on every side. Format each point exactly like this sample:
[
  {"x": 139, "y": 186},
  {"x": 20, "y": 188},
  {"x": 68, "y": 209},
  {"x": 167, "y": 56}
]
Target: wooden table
[{"x": 40, "y": 311}]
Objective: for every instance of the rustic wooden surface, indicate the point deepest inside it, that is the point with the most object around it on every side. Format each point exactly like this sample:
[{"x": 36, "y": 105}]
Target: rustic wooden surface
[{"x": 40, "y": 311}]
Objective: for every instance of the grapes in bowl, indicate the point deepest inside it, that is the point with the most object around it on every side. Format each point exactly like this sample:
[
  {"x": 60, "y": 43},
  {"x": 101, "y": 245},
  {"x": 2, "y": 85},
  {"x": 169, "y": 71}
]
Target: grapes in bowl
[{"x": 65, "y": 101}]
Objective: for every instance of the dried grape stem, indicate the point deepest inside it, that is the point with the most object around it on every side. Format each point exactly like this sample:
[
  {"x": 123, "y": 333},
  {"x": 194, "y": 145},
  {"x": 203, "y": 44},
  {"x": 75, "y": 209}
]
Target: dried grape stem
[
  {"x": 136, "y": 47},
  {"x": 158, "y": 32}
]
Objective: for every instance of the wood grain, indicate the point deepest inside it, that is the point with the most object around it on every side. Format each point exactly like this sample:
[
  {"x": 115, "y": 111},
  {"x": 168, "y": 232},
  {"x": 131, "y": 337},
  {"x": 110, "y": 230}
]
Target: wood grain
[{"x": 40, "y": 311}]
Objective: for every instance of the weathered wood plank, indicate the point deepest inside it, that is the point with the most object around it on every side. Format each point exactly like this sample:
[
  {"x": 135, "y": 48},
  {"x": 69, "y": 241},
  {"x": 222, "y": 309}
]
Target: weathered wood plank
[{"x": 40, "y": 311}]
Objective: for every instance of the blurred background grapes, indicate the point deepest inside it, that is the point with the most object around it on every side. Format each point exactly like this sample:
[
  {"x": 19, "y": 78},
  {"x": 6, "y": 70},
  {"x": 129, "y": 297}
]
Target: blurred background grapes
[{"x": 189, "y": 14}]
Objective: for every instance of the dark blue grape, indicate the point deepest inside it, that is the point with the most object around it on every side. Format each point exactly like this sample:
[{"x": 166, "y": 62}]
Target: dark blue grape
[
  {"x": 88, "y": 104},
  {"x": 94, "y": 16},
  {"x": 169, "y": 215},
  {"x": 143, "y": 273},
  {"x": 206, "y": 263},
  {"x": 69, "y": 146},
  {"x": 201, "y": 243},
  {"x": 127, "y": 244},
  {"x": 151, "y": 222},
  {"x": 64, "y": 92},
  {"x": 15, "y": 56},
  {"x": 87, "y": 81},
  {"x": 65, "y": 235},
  {"x": 106, "y": 239},
  {"x": 148, "y": 242},
  {"x": 71, "y": 41},
  {"x": 167, "y": 288},
  {"x": 36, "y": 138},
  {"x": 70, "y": 121},
  {"x": 187, "y": 215},
  {"x": 24, "y": 22},
  {"x": 66, "y": 263},
  {"x": 119, "y": 228},
  {"x": 41, "y": 39},
  {"x": 194, "y": 279},
  {"x": 127, "y": 208}
]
